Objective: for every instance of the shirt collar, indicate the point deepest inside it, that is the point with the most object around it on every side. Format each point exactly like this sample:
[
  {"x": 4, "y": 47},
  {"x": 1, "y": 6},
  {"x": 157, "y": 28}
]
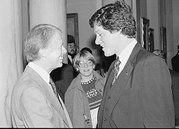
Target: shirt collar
[
  {"x": 70, "y": 58},
  {"x": 124, "y": 55},
  {"x": 43, "y": 74}
]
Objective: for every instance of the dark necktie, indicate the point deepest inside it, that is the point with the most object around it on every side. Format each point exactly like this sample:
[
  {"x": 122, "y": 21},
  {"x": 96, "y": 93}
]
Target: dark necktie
[
  {"x": 116, "y": 69},
  {"x": 55, "y": 90}
]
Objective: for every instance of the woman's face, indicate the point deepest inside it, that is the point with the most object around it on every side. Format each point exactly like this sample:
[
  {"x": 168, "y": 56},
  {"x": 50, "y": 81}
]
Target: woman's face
[{"x": 86, "y": 67}]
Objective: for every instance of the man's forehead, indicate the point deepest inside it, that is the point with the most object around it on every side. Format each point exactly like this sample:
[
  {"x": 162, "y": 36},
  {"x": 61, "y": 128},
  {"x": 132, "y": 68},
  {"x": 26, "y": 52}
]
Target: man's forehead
[{"x": 97, "y": 28}]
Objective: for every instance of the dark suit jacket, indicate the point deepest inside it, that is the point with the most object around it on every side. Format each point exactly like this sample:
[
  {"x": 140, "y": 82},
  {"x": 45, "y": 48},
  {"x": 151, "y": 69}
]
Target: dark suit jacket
[
  {"x": 141, "y": 96},
  {"x": 75, "y": 73},
  {"x": 62, "y": 78},
  {"x": 175, "y": 63},
  {"x": 175, "y": 89}
]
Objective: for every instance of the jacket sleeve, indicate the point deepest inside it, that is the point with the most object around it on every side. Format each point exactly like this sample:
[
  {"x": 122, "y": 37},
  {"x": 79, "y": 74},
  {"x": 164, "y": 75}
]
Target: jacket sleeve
[
  {"x": 157, "y": 94},
  {"x": 74, "y": 105},
  {"x": 69, "y": 103}
]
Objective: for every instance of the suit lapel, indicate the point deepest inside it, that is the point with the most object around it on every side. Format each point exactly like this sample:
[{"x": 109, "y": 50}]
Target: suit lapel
[
  {"x": 50, "y": 95},
  {"x": 119, "y": 85},
  {"x": 121, "y": 82}
]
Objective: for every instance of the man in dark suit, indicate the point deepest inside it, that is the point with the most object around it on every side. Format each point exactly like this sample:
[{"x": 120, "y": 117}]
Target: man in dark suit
[
  {"x": 62, "y": 78},
  {"x": 34, "y": 102},
  {"x": 64, "y": 75},
  {"x": 138, "y": 91},
  {"x": 175, "y": 87},
  {"x": 72, "y": 50},
  {"x": 175, "y": 61}
]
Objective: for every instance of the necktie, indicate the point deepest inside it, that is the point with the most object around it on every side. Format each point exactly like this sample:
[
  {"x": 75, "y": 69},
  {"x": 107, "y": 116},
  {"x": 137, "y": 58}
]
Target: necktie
[
  {"x": 55, "y": 90},
  {"x": 116, "y": 69},
  {"x": 53, "y": 87}
]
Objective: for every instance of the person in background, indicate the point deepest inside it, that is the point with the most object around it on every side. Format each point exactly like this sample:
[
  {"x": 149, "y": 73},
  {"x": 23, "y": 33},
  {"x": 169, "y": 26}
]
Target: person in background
[
  {"x": 87, "y": 49},
  {"x": 64, "y": 75},
  {"x": 62, "y": 78},
  {"x": 71, "y": 47},
  {"x": 106, "y": 61},
  {"x": 175, "y": 61},
  {"x": 99, "y": 66},
  {"x": 84, "y": 95},
  {"x": 137, "y": 92},
  {"x": 34, "y": 102},
  {"x": 175, "y": 87},
  {"x": 72, "y": 51}
]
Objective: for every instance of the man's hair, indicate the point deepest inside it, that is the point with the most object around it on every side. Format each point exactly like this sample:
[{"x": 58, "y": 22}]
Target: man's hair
[
  {"x": 38, "y": 38},
  {"x": 115, "y": 17},
  {"x": 70, "y": 39},
  {"x": 159, "y": 53}
]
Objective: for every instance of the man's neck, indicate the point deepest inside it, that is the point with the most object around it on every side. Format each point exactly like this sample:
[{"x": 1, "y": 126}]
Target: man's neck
[{"x": 43, "y": 65}]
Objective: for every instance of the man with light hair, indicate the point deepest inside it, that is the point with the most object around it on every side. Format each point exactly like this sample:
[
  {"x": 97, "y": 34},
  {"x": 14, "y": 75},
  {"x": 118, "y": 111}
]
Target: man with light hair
[{"x": 35, "y": 102}]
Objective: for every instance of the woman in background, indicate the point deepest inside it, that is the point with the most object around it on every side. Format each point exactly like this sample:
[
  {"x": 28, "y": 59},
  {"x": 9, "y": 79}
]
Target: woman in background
[{"x": 84, "y": 94}]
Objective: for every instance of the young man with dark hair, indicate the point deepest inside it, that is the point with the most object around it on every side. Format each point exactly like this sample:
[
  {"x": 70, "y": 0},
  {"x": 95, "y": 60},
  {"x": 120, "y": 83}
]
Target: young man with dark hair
[
  {"x": 138, "y": 91},
  {"x": 34, "y": 101}
]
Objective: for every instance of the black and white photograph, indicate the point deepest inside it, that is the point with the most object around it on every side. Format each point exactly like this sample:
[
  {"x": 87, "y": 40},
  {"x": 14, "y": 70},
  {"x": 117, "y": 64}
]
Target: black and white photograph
[{"x": 89, "y": 64}]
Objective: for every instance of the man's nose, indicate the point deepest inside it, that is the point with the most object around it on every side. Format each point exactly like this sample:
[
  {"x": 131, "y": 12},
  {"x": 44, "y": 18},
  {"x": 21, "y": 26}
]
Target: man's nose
[
  {"x": 64, "y": 50},
  {"x": 97, "y": 41}
]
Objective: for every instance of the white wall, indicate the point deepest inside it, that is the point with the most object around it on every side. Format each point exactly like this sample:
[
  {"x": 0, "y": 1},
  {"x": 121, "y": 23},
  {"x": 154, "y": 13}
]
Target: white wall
[
  {"x": 153, "y": 15},
  {"x": 170, "y": 27},
  {"x": 175, "y": 4},
  {"x": 85, "y": 8}
]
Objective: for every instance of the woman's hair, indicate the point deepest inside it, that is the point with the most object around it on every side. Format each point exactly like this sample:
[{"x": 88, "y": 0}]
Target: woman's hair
[
  {"x": 87, "y": 49},
  {"x": 83, "y": 55}
]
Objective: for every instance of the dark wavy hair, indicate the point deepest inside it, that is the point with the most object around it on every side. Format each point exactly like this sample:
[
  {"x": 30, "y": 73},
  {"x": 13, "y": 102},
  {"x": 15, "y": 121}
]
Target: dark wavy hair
[{"x": 115, "y": 17}]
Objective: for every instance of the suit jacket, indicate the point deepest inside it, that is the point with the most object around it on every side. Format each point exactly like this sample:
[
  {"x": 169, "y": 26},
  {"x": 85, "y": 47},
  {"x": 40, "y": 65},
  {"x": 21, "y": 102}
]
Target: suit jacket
[
  {"x": 175, "y": 89},
  {"x": 175, "y": 63},
  {"x": 75, "y": 73},
  {"x": 141, "y": 96},
  {"x": 33, "y": 104},
  {"x": 62, "y": 78}
]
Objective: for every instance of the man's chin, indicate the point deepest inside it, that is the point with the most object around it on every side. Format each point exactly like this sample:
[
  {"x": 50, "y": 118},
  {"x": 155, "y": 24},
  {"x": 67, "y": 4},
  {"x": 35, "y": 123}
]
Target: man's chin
[
  {"x": 107, "y": 54},
  {"x": 60, "y": 65}
]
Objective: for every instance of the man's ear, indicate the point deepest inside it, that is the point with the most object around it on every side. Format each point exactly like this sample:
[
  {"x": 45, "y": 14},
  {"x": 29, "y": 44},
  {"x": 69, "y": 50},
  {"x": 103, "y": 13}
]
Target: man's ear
[
  {"x": 43, "y": 52},
  {"x": 93, "y": 66}
]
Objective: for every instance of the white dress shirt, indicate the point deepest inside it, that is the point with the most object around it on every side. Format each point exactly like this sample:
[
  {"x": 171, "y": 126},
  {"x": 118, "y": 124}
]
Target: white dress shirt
[
  {"x": 43, "y": 74},
  {"x": 70, "y": 58},
  {"x": 125, "y": 54}
]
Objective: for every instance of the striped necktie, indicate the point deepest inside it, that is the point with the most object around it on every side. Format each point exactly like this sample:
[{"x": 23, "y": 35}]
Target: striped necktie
[{"x": 116, "y": 69}]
